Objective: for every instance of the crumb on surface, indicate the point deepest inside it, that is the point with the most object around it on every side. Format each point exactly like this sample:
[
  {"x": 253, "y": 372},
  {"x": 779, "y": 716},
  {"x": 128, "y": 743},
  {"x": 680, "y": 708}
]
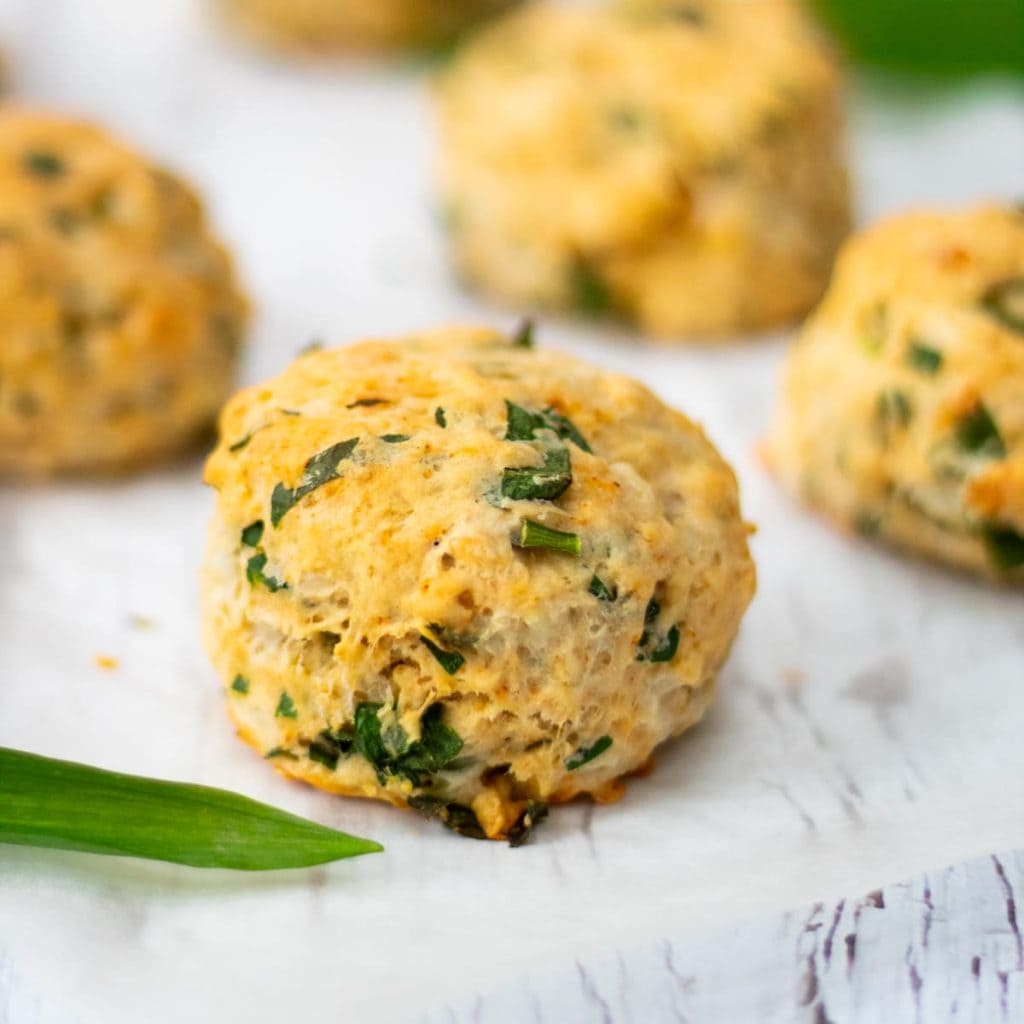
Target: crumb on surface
[
  {"x": 141, "y": 622},
  {"x": 107, "y": 662},
  {"x": 793, "y": 678}
]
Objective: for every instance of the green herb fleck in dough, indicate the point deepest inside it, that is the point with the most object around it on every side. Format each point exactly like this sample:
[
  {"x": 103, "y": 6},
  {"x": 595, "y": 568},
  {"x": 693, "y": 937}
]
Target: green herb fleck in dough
[
  {"x": 653, "y": 647},
  {"x": 977, "y": 433},
  {"x": 253, "y": 534},
  {"x": 1005, "y": 547},
  {"x": 587, "y": 754},
  {"x": 391, "y": 753},
  {"x": 523, "y": 335},
  {"x": 1005, "y": 301},
  {"x": 457, "y": 817},
  {"x": 588, "y": 292},
  {"x": 43, "y": 164},
  {"x": 439, "y": 417},
  {"x": 279, "y": 752},
  {"x": 523, "y": 425},
  {"x": 450, "y": 661},
  {"x": 536, "y": 535},
  {"x": 321, "y": 469},
  {"x": 367, "y": 402},
  {"x": 601, "y": 590},
  {"x": 240, "y": 443},
  {"x": 254, "y": 573},
  {"x": 894, "y": 410},
  {"x": 329, "y": 747},
  {"x": 395, "y": 438},
  {"x": 240, "y": 684},
  {"x": 924, "y": 358},
  {"x": 546, "y": 482},
  {"x": 519, "y": 834},
  {"x": 285, "y": 707}
]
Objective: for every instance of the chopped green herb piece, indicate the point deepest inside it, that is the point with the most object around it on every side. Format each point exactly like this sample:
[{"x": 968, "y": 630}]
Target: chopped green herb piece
[
  {"x": 391, "y": 753},
  {"x": 240, "y": 443},
  {"x": 588, "y": 292},
  {"x": 316, "y": 345},
  {"x": 546, "y": 482},
  {"x": 523, "y": 425},
  {"x": 450, "y": 661},
  {"x": 586, "y": 754},
  {"x": 285, "y": 707},
  {"x": 978, "y": 433},
  {"x": 290, "y": 412},
  {"x": 253, "y": 534},
  {"x": 254, "y": 573},
  {"x": 240, "y": 684},
  {"x": 522, "y": 337},
  {"x": 366, "y": 402},
  {"x": 395, "y": 438},
  {"x": 1005, "y": 301},
  {"x": 1005, "y": 547},
  {"x": 457, "y": 817},
  {"x": 867, "y": 524},
  {"x": 519, "y": 834},
  {"x": 536, "y": 535},
  {"x": 42, "y": 164},
  {"x": 439, "y": 417},
  {"x": 329, "y": 747},
  {"x": 60, "y": 805},
  {"x": 322, "y": 468},
  {"x": 894, "y": 409},
  {"x": 601, "y": 590},
  {"x": 922, "y": 357},
  {"x": 279, "y": 752},
  {"x": 625, "y": 119},
  {"x": 652, "y": 647}
]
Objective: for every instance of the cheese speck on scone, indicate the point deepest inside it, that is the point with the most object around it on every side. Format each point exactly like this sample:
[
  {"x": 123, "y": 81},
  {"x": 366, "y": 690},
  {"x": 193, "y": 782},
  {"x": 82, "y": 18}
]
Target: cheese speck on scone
[
  {"x": 120, "y": 316},
  {"x": 679, "y": 165},
  {"x": 466, "y": 575},
  {"x": 902, "y": 413}
]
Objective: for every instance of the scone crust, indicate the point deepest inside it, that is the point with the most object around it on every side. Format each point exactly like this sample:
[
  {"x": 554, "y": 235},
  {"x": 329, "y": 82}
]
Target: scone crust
[
  {"x": 414, "y": 540},
  {"x": 685, "y": 173},
  {"x": 120, "y": 318},
  {"x": 902, "y": 410},
  {"x": 327, "y": 26}
]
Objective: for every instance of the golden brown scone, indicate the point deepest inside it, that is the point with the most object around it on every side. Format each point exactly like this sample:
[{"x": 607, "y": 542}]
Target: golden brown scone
[
  {"x": 675, "y": 163},
  {"x": 340, "y": 25},
  {"x": 467, "y": 575},
  {"x": 902, "y": 412},
  {"x": 120, "y": 317}
]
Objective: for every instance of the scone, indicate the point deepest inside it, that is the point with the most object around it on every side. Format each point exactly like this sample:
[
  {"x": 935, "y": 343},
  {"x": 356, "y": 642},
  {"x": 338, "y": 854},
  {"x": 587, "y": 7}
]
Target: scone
[
  {"x": 676, "y": 164},
  {"x": 120, "y": 316},
  {"x": 457, "y": 573},
  {"x": 902, "y": 412},
  {"x": 339, "y": 25}
]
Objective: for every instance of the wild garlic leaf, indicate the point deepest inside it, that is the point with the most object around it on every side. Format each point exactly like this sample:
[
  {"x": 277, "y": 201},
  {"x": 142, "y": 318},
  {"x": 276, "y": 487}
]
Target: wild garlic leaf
[
  {"x": 587, "y": 754},
  {"x": 321, "y": 469},
  {"x": 545, "y": 482}
]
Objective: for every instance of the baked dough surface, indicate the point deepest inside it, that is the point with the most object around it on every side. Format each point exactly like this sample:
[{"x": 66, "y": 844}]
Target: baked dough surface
[
  {"x": 393, "y": 580},
  {"x": 902, "y": 411},
  {"x": 685, "y": 172},
  {"x": 339, "y": 25},
  {"x": 120, "y": 315}
]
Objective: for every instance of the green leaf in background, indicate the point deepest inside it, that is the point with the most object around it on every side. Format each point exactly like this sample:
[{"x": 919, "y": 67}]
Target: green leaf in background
[
  {"x": 937, "y": 38},
  {"x": 61, "y": 805}
]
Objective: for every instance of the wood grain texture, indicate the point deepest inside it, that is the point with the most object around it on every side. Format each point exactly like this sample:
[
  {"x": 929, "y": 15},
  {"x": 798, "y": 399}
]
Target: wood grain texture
[{"x": 945, "y": 946}]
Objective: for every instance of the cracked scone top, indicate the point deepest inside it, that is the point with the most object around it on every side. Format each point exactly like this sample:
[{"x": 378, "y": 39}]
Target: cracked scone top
[
  {"x": 120, "y": 316},
  {"x": 327, "y": 25},
  {"x": 902, "y": 411},
  {"x": 676, "y": 164},
  {"x": 467, "y": 575}
]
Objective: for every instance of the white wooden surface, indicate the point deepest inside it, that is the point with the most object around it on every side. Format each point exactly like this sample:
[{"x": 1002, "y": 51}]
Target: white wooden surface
[{"x": 868, "y": 726}]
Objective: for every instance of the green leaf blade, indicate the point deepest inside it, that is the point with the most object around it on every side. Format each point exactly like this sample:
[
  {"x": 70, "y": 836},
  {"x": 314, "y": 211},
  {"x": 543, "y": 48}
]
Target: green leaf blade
[{"x": 62, "y": 805}]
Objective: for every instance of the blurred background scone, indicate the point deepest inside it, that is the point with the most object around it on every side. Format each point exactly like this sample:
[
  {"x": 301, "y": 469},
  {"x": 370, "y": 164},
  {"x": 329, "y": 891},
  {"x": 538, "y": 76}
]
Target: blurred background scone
[
  {"x": 902, "y": 412},
  {"x": 120, "y": 317},
  {"x": 466, "y": 575},
  {"x": 679, "y": 164},
  {"x": 340, "y": 25}
]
